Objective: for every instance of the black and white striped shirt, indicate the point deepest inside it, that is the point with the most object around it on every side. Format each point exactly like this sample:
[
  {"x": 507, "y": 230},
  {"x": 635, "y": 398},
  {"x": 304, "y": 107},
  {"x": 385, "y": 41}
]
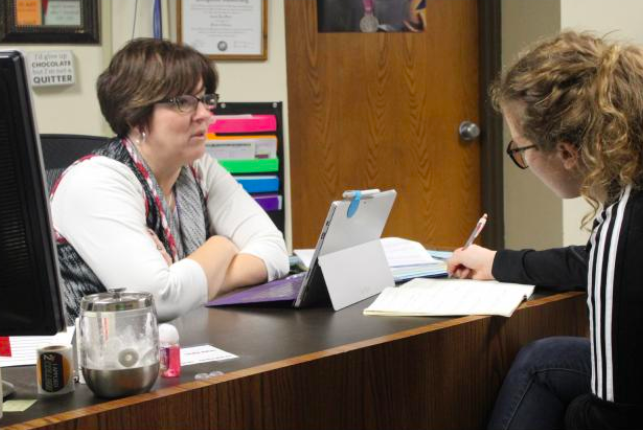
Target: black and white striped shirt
[
  {"x": 615, "y": 300},
  {"x": 610, "y": 267}
]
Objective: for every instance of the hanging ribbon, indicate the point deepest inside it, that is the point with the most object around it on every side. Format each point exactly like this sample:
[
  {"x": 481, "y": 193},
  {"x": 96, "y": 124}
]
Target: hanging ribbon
[{"x": 158, "y": 20}]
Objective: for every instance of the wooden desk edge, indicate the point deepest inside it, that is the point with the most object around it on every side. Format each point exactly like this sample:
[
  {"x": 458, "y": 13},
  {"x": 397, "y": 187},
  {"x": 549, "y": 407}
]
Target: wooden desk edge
[{"x": 187, "y": 386}]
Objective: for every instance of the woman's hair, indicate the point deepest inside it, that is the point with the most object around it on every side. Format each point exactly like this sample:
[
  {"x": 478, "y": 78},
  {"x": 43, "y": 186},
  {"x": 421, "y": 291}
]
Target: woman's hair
[
  {"x": 580, "y": 89},
  {"x": 146, "y": 71}
]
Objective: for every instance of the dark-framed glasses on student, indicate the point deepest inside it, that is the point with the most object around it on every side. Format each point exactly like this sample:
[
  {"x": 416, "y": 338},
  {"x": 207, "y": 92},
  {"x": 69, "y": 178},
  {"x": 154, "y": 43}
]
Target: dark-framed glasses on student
[
  {"x": 188, "y": 103},
  {"x": 517, "y": 154}
]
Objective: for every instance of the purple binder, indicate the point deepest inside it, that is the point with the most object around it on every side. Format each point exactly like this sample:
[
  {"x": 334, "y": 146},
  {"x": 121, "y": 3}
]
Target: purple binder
[{"x": 279, "y": 290}]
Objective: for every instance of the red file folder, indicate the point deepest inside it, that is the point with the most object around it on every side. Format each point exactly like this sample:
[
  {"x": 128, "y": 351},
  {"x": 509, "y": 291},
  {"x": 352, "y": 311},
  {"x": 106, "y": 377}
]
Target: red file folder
[{"x": 243, "y": 124}]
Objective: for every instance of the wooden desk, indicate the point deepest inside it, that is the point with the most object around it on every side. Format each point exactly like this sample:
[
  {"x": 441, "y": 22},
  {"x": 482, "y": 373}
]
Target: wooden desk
[{"x": 317, "y": 369}]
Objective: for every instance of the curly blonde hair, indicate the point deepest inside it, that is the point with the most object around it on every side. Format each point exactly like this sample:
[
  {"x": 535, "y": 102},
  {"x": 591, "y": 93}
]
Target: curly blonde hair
[{"x": 580, "y": 89}]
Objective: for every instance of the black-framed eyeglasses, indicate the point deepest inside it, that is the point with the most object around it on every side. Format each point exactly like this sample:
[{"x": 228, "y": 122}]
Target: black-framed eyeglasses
[
  {"x": 517, "y": 154},
  {"x": 188, "y": 103}
]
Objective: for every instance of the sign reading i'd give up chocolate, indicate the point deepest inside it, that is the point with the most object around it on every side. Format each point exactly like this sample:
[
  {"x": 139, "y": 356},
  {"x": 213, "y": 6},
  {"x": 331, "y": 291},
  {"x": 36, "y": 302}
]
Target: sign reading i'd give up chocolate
[{"x": 49, "y": 68}]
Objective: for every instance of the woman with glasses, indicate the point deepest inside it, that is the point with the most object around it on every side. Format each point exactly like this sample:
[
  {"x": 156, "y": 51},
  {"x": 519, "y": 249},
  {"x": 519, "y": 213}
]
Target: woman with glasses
[
  {"x": 151, "y": 211},
  {"x": 574, "y": 108}
]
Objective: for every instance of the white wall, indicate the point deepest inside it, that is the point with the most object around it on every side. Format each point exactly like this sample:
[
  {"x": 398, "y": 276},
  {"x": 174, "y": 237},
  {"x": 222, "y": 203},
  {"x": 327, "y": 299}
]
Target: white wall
[
  {"x": 534, "y": 216},
  {"x": 74, "y": 109},
  {"x": 622, "y": 20}
]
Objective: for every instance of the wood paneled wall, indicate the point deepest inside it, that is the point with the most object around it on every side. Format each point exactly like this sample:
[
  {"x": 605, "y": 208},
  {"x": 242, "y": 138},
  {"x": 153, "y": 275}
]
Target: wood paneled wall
[{"x": 382, "y": 111}]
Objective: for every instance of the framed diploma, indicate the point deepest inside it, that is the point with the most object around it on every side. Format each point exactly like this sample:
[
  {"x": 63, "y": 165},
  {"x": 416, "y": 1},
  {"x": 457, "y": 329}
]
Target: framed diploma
[
  {"x": 49, "y": 21},
  {"x": 224, "y": 29}
]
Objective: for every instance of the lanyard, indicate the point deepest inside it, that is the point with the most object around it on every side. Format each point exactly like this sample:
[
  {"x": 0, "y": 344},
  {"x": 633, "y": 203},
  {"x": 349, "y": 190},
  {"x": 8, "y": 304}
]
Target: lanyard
[{"x": 140, "y": 165}]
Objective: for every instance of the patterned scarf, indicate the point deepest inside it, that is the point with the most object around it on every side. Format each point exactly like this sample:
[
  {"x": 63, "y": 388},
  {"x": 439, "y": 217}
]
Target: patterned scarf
[{"x": 181, "y": 233}]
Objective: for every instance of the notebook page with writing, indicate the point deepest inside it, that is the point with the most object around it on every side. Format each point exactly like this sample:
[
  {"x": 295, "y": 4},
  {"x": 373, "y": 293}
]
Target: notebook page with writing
[{"x": 450, "y": 297}]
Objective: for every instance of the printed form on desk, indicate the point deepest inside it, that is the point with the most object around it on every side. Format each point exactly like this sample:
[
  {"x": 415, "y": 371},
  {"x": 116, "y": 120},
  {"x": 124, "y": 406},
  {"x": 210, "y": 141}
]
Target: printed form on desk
[{"x": 450, "y": 297}]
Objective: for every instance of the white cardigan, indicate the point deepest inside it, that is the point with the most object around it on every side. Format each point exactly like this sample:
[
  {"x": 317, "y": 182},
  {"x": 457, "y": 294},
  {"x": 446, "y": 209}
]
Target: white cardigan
[{"x": 99, "y": 207}]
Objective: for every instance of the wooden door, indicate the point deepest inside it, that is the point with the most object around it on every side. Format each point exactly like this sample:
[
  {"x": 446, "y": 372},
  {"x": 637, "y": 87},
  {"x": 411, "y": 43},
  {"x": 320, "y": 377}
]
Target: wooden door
[{"x": 382, "y": 111}]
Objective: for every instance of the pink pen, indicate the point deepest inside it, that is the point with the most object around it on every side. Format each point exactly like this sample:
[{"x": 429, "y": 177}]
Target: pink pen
[{"x": 476, "y": 231}]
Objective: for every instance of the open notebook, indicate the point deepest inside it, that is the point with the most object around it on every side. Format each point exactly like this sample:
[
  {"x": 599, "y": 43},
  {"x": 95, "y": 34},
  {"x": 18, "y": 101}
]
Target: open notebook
[{"x": 450, "y": 297}]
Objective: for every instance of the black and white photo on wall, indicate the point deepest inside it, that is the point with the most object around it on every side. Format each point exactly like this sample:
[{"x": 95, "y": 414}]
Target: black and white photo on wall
[{"x": 371, "y": 16}]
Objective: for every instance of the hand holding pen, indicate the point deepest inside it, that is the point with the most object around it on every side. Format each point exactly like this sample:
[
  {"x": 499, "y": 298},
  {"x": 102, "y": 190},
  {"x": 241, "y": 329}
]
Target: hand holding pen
[{"x": 472, "y": 261}]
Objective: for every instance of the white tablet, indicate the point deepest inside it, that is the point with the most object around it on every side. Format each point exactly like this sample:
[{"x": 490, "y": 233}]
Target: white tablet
[{"x": 349, "y": 223}]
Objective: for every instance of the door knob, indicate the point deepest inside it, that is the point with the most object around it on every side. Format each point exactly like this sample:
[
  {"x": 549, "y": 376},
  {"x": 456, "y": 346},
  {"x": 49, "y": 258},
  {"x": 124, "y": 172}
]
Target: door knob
[{"x": 468, "y": 131}]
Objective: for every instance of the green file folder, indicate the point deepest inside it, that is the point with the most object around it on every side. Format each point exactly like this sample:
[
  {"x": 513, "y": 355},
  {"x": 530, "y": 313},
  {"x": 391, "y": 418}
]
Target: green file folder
[{"x": 258, "y": 165}]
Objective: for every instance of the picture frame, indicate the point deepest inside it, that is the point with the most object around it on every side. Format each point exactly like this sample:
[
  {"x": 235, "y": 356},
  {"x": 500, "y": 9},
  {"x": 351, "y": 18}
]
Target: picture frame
[
  {"x": 224, "y": 30},
  {"x": 371, "y": 16},
  {"x": 50, "y": 21}
]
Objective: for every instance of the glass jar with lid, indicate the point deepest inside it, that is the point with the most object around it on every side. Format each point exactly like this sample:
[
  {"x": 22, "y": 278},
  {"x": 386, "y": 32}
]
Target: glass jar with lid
[{"x": 119, "y": 343}]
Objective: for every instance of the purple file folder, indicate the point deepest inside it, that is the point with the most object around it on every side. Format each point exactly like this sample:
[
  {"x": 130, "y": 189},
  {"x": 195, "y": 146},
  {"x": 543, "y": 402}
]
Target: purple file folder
[
  {"x": 279, "y": 290},
  {"x": 269, "y": 202}
]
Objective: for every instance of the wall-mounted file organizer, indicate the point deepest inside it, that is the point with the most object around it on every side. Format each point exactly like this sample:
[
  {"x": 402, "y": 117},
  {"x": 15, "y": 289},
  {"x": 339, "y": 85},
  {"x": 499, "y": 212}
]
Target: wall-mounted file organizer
[{"x": 247, "y": 140}]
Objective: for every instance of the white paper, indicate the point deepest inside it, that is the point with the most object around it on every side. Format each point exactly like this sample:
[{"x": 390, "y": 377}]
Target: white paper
[
  {"x": 399, "y": 253},
  {"x": 306, "y": 256},
  {"x": 230, "y": 151},
  {"x": 241, "y": 116},
  {"x": 24, "y": 348},
  {"x": 203, "y": 354},
  {"x": 450, "y": 297},
  {"x": 257, "y": 147},
  {"x": 403, "y": 252},
  {"x": 433, "y": 270},
  {"x": 65, "y": 13}
]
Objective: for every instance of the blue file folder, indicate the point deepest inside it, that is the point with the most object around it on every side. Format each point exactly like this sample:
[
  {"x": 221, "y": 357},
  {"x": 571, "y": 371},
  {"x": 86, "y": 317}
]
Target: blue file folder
[{"x": 259, "y": 184}]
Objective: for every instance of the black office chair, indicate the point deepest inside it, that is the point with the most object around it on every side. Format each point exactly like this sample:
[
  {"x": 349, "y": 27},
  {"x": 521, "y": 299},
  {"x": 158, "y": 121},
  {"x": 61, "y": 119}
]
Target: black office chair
[{"x": 59, "y": 151}]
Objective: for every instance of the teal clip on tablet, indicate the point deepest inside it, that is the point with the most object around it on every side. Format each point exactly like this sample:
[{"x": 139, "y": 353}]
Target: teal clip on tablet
[{"x": 356, "y": 196}]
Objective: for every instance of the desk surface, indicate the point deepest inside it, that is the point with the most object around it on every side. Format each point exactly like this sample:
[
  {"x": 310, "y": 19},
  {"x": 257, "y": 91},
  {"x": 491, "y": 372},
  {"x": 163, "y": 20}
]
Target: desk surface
[{"x": 297, "y": 358}]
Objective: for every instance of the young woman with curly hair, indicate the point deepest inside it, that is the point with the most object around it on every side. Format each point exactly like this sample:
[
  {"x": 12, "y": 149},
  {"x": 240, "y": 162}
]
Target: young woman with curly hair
[{"x": 574, "y": 107}]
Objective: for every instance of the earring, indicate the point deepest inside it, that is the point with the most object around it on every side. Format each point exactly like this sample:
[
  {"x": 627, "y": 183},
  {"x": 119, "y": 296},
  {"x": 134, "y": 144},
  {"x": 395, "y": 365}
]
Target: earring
[{"x": 144, "y": 136}]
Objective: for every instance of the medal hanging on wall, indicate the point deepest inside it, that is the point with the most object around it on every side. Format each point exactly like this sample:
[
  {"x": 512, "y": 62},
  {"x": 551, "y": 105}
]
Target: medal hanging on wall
[{"x": 369, "y": 22}]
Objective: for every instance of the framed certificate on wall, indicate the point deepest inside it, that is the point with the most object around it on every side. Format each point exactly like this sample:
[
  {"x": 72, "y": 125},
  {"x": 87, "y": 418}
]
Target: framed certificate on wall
[{"x": 224, "y": 29}]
